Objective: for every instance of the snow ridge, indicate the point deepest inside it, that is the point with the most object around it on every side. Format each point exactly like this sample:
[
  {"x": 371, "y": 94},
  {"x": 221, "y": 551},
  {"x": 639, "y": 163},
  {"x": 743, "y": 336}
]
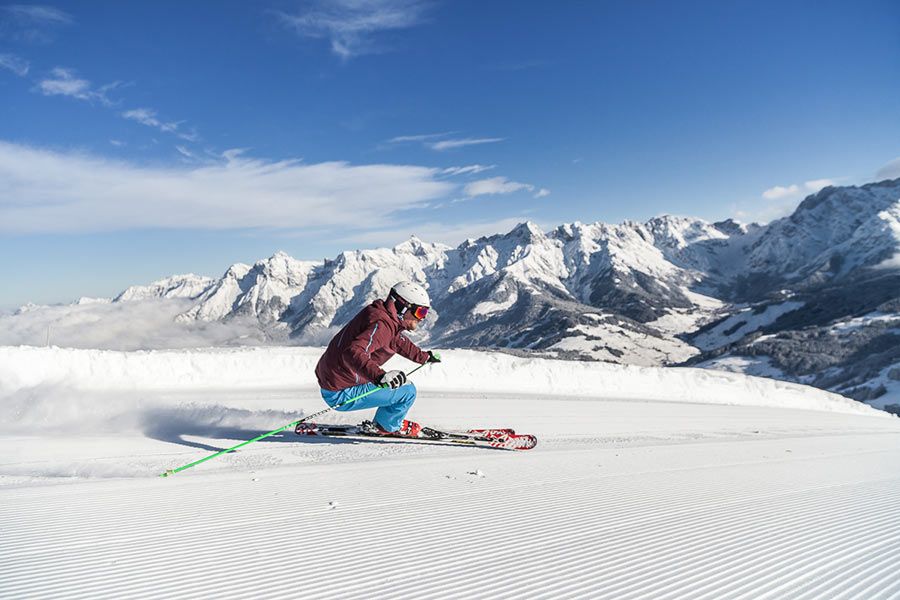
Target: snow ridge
[
  {"x": 25, "y": 368},
  {"x": 177, "y": 286}
]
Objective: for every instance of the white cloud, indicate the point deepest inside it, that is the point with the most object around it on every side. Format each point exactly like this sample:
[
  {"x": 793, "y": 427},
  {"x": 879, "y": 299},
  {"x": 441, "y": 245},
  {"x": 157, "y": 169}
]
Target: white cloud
[
  {"x": 434, "y": 141},
  {"x": 890, "y": 170},
  {"x": 50, "y": 191},
  {"x": 495, "y": 185},
  {"x": 185, "y": 152},
  {"x": 139, "y": 325},
  {"x": 38, "y": 14},
  {"x": 400, "y": 139},
  {"x": 810, "y": 187},
  {"x": 818, "y": 184},
  {"x": 450, "y": 144},
  {"x": 778, "y": 192},
  {"x": 147, "y": 116},
  {"x": 780, "y": 201},
  {"x": 64, "y": 82},
  {"x": 31, "y": 23},
  {"x": 467, "y": 170},
  {"x": 541, "y": 193},
  {"x": 351, "y": 25},
  {"x": 13, "y": 63}
]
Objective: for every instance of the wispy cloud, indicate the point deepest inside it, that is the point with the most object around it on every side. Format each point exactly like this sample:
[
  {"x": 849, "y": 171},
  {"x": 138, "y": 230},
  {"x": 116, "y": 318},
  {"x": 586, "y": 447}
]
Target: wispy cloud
[
  {"x": 795, "y": 190},
  {"x": 31, "y": 22},
  {"x": 75, "y": 192},
  {"x": 467, "y": 170},
  {"x": 780, "y": 201},
  {"x": 13, "y": 63},
  {"x": 450, "y": 144},
  {"x": 500, "y": 185},
  {"x": 778, "y": 192},
  {"x": 148, "y": 117},
  {"x": 36, "y": 13},
  {"x": 139, "y": 325},
  {"x": 351, "y": 26},
  {"x": 65, "y": 82},
  {"x": 438, "y": 141},
  {"x": 185, "y": 152},
  {"x": 402, "y": 139}
]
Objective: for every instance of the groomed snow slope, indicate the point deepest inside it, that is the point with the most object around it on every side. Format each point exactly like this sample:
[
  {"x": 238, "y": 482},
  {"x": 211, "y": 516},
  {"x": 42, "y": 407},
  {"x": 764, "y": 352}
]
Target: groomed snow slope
[{"x": 646, "y": 483}]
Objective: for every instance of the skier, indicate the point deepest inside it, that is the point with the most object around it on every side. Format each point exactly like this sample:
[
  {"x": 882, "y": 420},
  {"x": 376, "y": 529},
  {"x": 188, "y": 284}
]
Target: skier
[{"x": 351, "y": 365}]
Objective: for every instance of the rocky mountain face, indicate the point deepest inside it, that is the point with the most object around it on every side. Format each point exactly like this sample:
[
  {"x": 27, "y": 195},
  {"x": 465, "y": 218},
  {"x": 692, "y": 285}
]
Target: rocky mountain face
[{"x": 812, "y": 297}]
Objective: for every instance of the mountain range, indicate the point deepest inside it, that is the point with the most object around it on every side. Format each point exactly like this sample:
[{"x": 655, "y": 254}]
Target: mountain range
[{"x": 813, "y": 297}]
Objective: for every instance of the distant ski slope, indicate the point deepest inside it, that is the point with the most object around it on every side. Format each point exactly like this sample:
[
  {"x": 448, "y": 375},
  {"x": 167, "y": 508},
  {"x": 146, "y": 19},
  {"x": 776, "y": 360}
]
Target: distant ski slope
[{"x": 625, "y": 497}]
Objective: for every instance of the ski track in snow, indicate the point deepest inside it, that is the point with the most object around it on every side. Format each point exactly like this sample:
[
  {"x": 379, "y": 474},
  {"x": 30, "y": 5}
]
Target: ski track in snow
[
  {"x": 621, "y": 499},
  {"x": 619, "y": 502}
]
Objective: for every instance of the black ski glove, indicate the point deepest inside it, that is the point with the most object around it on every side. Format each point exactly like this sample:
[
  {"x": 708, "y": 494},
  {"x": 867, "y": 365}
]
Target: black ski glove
[
  {"x": 433, "y": 357},
  {"x": 392, "y": 379}
]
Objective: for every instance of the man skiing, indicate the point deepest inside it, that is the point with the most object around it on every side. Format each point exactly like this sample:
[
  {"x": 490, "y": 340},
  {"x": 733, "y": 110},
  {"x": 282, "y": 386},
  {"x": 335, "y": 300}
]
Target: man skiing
[{"x": 351, "y": 365}]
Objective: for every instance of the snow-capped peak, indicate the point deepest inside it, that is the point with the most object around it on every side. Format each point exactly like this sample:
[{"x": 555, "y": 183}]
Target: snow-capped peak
[
  {"x": 814, "y": 239},
  {"x": 527, "y": 230},
  {"x": 285, "y": 269},
  {"x": 734, "y": 227},
  {"x": 177, "y": 286},
  {"x": 417, "y": 247},
  {"x": 558, "y": 282},
  {"x": 680, "y": 232}
]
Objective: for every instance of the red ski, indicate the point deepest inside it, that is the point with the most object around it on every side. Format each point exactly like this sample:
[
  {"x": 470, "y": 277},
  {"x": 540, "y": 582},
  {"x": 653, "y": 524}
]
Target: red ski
[{"x": 506, "y": 439}]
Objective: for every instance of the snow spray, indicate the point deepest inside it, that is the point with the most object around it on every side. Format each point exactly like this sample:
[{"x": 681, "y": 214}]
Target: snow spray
[{"x": 279, "y": 430}]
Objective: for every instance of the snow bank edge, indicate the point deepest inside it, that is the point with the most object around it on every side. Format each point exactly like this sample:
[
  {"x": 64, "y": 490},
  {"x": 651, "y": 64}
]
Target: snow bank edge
[{"x": 469, "y": 371}]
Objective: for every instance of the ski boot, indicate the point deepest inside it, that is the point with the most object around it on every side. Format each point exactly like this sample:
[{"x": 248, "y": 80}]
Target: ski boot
[{"x": 409, "y": 429}]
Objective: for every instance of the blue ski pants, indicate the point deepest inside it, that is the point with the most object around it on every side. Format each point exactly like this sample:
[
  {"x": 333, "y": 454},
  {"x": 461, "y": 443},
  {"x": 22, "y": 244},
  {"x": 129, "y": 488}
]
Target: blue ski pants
[{"x": 392, "y": 404}]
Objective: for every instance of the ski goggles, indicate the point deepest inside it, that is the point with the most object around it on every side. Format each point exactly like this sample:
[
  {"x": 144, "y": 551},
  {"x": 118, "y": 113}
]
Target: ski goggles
[{"x": 419, "y": 312}]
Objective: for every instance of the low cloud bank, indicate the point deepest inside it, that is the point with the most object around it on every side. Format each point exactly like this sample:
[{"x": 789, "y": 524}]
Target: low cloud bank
[{"x": 148, "y": 324}]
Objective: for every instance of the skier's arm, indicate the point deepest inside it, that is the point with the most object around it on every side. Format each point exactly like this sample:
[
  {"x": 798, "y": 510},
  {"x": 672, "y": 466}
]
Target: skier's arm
[
  {"x": 405, "y": 348},
  {"x": 375, "y": 336}
]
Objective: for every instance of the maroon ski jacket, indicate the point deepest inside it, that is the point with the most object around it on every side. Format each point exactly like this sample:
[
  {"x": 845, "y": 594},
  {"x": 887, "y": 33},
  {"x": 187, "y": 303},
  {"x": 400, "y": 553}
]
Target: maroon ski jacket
[{"x": 356, "y": 353}]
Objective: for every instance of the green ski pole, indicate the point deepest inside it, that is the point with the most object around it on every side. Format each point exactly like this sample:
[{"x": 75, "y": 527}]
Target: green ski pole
[{"x": 279, "y": 430}]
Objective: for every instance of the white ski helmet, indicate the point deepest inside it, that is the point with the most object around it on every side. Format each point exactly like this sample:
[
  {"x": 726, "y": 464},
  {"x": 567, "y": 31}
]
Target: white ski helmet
[{"x": 411, "y": 293}]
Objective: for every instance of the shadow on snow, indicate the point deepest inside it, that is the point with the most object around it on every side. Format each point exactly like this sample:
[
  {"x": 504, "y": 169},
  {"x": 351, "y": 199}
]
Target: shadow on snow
[{"x": 176, "y": 424}]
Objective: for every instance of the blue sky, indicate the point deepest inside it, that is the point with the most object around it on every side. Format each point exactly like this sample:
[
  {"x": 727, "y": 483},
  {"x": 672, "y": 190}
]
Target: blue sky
[{"x": 144, "y": 139}]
